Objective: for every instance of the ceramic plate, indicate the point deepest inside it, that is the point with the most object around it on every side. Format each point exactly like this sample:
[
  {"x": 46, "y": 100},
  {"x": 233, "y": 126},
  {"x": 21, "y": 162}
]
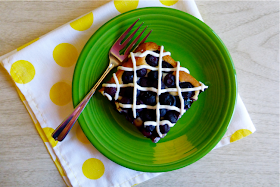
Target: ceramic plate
[{"x": 199, "y": 49}]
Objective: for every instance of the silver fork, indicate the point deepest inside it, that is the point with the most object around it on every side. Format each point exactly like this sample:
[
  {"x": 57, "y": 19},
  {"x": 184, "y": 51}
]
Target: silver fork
[{"x": 115, "y": 60}]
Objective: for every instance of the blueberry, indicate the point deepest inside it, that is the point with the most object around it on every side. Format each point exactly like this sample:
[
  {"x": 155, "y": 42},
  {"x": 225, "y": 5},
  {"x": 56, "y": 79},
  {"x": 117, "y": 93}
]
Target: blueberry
[
  {"x": 169, "y": 80},
  {"x": 141, "y": 72},
  {"x": 155, "y": 134},
  {"x": 148, "y": 115},
  {"x": 186, "y": 85},
  {"x": 172, "y": 116},
  {"x": 152, "y": 60},
  {"x": 153, "y": 75},
  {"x": 124, "y": 111},
  {"x": 155, "y": 84},
  {"x": 129, "y": 116},
  {"x": 110, "y": 90},
  {"x": 187, "y": 103},
  {"x": 127, "y": 77},
  {"x": 167, "y": 99},
  {"x": 178, "y": 102},
  {"x": 144, "y": 82},
  {"x": 122, "y": 91},
  {"x": 146, "y": 133},
  {"x": 149, "y": 98},
  {"x": 162, "y": 112},
  {"x": 166, "y": 65},
  {"x": 150, "y": 128},
  {"x": 128, "y": 92},
  {"x": 126, "y": 100},
  {"x": 164, "y": 128}
]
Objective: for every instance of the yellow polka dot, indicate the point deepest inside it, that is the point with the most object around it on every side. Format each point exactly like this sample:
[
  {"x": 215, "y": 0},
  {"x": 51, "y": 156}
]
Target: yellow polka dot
[
  {"x": 83, "y": 23},
  {"x": 168, "y": 2},
  {"x": 125, "y": 5},
  {"x": 81, "y": 136},
  {"x": 25, "y": 45},
  {"x": 59, "y": 167},
  {"x": 60, "y": 93},
  {"x": 65, "y": 54},
  {"x": 48, "y": 132},
  {"x": 93, "y": 168},
  {"x": 22, "y": 71},
  {"x": 240, "y": 134}
]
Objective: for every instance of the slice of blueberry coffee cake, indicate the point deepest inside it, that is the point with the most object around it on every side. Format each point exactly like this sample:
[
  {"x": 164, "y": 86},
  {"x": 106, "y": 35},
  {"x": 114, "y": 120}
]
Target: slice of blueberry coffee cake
[{"x": 152, "y": 90}]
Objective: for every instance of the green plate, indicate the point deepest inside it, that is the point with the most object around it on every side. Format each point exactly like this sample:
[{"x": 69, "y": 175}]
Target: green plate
[{"x": 199, "y": 49}]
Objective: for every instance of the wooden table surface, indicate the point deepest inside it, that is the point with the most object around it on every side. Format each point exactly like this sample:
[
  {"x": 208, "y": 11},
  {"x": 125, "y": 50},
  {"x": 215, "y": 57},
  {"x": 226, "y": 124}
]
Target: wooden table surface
[{"x": 250, "y": 30}]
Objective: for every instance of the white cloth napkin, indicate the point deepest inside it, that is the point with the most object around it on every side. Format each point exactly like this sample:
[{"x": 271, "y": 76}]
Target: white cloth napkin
[{"x": 43, "y": 70}]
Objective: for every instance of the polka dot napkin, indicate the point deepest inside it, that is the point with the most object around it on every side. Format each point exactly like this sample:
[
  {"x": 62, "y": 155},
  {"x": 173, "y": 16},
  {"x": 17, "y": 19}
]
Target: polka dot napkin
[{"x": 42, "y": 71}]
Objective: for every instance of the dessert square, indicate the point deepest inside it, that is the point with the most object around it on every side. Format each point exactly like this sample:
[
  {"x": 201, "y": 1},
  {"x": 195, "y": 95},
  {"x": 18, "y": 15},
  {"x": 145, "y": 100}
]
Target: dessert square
[{"x": 152, "y": 90}]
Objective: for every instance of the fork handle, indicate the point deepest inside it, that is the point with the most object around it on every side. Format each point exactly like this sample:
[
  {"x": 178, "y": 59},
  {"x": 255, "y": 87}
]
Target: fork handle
[{"x": 62, "y": 130}]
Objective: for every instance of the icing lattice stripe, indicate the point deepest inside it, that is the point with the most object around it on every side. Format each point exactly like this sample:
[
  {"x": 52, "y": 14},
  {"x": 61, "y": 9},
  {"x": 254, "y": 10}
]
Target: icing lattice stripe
[{"x": 153, "y": 68}]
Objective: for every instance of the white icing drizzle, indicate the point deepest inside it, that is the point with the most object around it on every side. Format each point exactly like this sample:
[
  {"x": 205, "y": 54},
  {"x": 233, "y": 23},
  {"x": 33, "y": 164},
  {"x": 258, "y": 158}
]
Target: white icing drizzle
[
  {"x": 203, "y": 87},
  {"x": 158, "y": 90},
  {"x": 134, "y": 83},
  {"x": 139, "y": 54},
  {"x": 108, "y": 96},
  {"x": 179, "y": 89},
  {"x": 152, "y": 68},
  {"x": 150, "y": 107},
  {"x": 117, "y": 85}
]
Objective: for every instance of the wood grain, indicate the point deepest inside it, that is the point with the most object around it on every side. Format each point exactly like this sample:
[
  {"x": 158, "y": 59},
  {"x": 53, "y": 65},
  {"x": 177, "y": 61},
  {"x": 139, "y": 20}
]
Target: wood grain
[{"x": 250, "y": 30}]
